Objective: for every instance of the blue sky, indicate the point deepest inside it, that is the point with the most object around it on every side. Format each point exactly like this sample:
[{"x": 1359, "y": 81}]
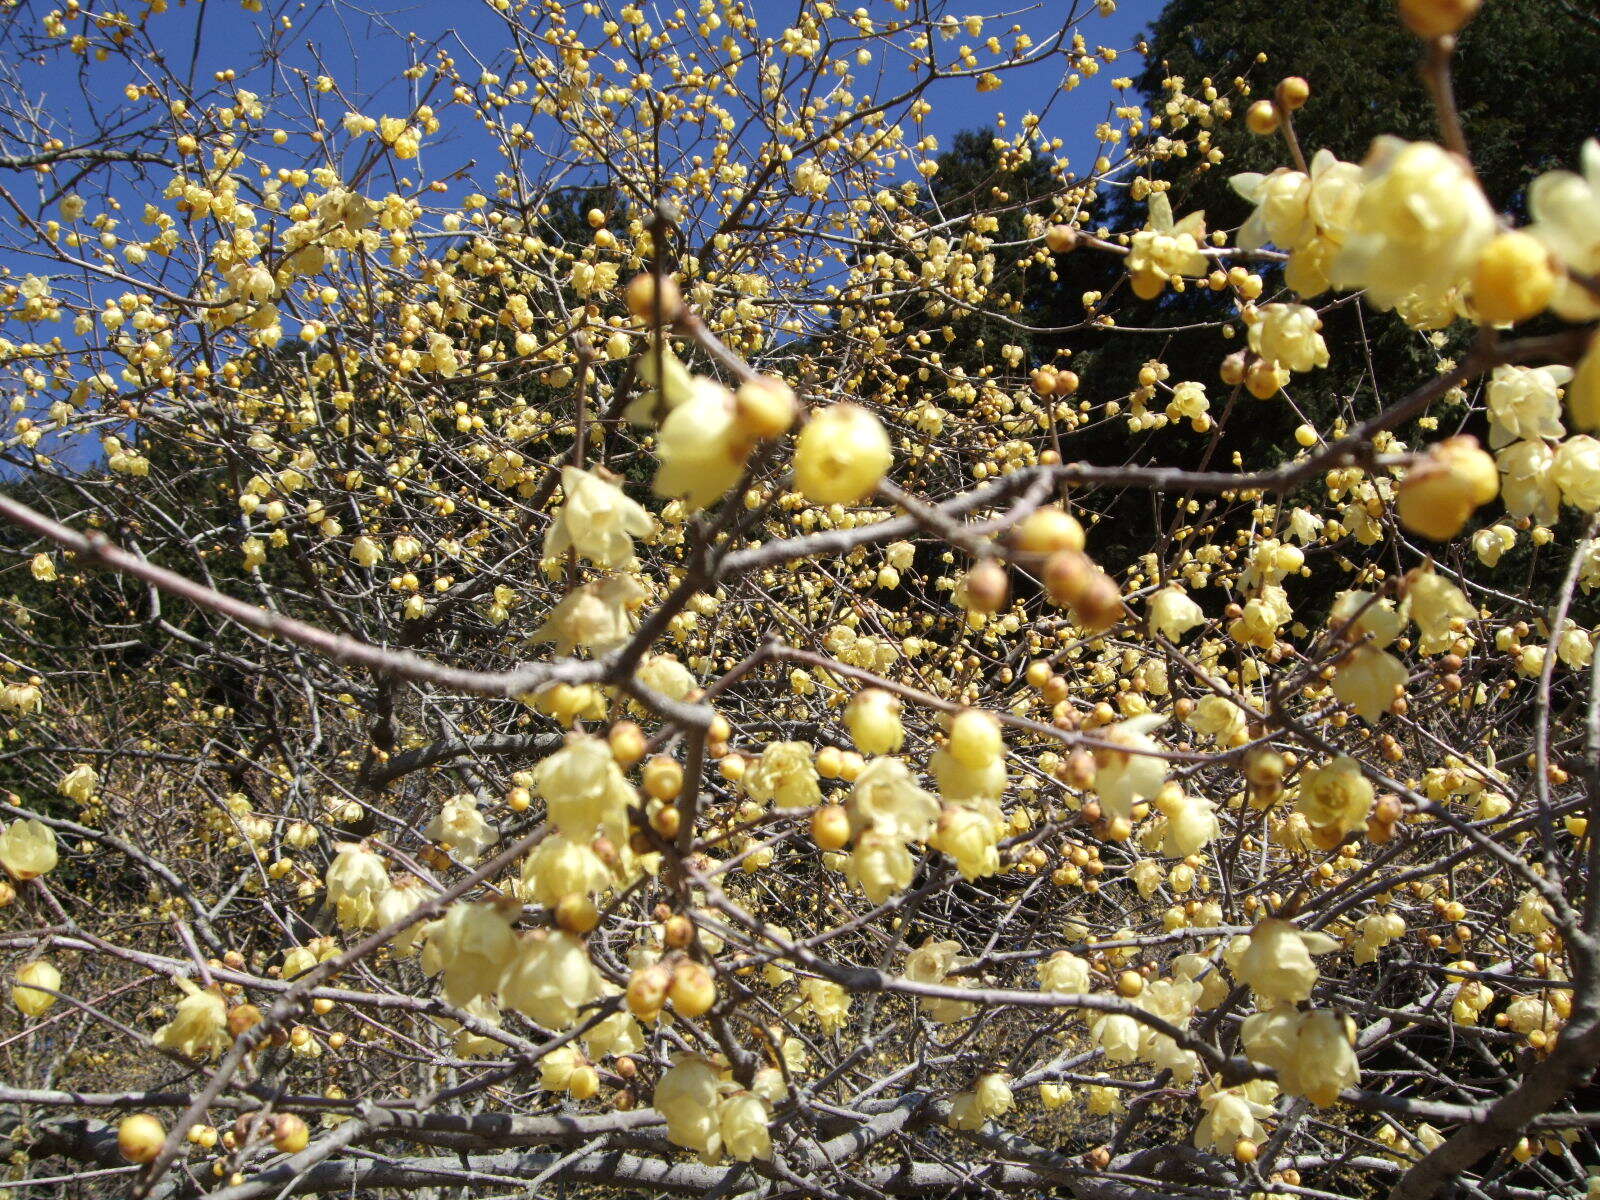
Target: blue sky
[{"x": 364, "y": 48}]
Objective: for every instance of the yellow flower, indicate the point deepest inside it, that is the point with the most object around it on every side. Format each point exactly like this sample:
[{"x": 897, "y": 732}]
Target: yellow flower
[
  {"x": 597, "y": 616},
  {"x": 1264, "y": 614},
  {"x": 990, "y": 1097},
  {"x": 1418, "y": 228},
  {"x": 1064, "y": 971},
  {"x": 356, "y": 880},
  {"x": 79, "y": 784},
  {"x": 584, "y": 790},
  {"x": 472, "y": 945},
  {"x": 786, "y": 775},
  {"x": 1282, "y": 214},
  {"x": 550, "y": 978},
  {"x": 199, "y": 1029},
  {"x": 1513, "y": 280},
  {"x": 1289, "y": 334},
  {"x": 1131, "y": 767},
  {"x": 1172, "y": 613},
  {"x": 1373, "y": 932},
  {"x": 1336, "y": 795},
  {"x": 28, "y": 849},
  {"x": 403, "y": 898},
  {"x": 687, "y": 1097},
  {"x": 667, "y": 387},
  {"x": 1491, "y": 543},
  {"x": 962, "y": 784},
  {"x": 617, "y": 1034},
  {"x": 1104, "y": 1100},
  {"x": 597, "y": 520},
  {"x": 886, "y": 800},
  {"x": 665, "y": 674},
  {"x": 1525, "y": 402},
  {"x": 460, "y": 826},
  {"x": 841, "y": 455},
  {"x": 1165, "y": 248},
  {"x": 1311, "y": 1051},
  {"x": 1565, "y": 207},
  {"x": 811, "y": 180},
  {"x": 562, "y": 866},
  {"x": 1575, "y": 648},
  {"x": 1527, "y": 480},
  {"x": 1216, "y": 717},
  {"x": 880, "y": 865},
  {"x": 1189, "y": 403},
  {"x": 744, "y": 1123},
  {"x": 1233, "y": 1114},
  {"x": 975, "y": 739},
  {"x": 1369, "y": 680},
  {"x": 1191, "y": 821},
  {"x": 1276, "y": 960},
  {"x": 365, "y": 552},
  {"x": 970, "y": 838},
  {"x": 701, "y": 445},
  {"x": 1117, "y": 1036},
  {"x": 21, "y": 698},
  {"x": 932, "y": 963},
  {"x": 1437, "y": 606},
  {"x": 827, "y": 1002},
  {"x": 590, "y": 278},
  {"x": 1577, "y": 471}
]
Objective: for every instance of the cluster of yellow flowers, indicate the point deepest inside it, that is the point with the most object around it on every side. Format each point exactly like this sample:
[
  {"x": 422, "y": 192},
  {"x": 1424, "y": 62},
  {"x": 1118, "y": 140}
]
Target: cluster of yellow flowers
[{"x": 665, "y": 610}]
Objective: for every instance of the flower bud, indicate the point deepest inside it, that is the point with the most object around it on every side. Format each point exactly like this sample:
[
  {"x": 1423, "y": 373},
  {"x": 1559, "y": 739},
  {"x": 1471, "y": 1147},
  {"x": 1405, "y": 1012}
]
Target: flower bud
[
  {"x": 647, "y": 991},
  {"x": 242, "y": 1018},
  {"x": 830, "y": 827},
  {"x": 1261, "y": 118},
  {"x": 1293, "y": 92},
  {"x": 1048, "y": 529},
  {"x": 289, "y": 1134},
  {"x": 30, "y": 978},
  {"x": 1513, "y": 279},
  {"x": 576, "y": 913},
  {"x": 1265, "y": 378},
  {"x": 1061, "y": 239},
  {"x": 646, "y": 300},
  {"x": 1066, "y": 576},
  {"x": 975, "y": 739},
  {"x": 663, "y": 777},
  {"x": 1445, "y": 485},
  {"x": 1437, "y": 18},
  {"x": 985, "y": 587},
  {"x": 764, "y": 406},
  {"x": 692, "y": 990},
  {"x": 1099, "y": 604},
  {"x": 873, "y": 719},
  {"x": 140, "y": 1137}
]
